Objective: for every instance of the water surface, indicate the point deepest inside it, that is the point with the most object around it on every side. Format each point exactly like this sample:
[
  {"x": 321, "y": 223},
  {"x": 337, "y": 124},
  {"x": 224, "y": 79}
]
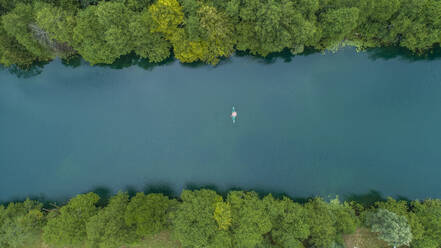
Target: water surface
[{"x": 318, "y": 124}]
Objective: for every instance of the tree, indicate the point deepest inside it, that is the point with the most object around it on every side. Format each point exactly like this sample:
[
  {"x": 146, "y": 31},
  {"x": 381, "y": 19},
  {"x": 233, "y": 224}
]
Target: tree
[
  {"x": 345, "y": 220},
  {"x": 321, "y": 222},
  {"x": 20, "y": 24},
  {"x": 166, "y": 15},
  {"x": 194, "y": 224},
  {"x": 67, "y": 226},
  {"x": 222, "y": 215},
  {"x": 149, "y": 214},
  {"x": 108, "y": 228},
  {"x": 145, "y": 42},
  {"x": 390, "y": 227},
  {"x": 401, "y": 208},
  {"x": 12, "y": 52},
  {"x": 20, "y": 223},
  {"x": 428, "y": 213},
  {"x": 288, "y": 220},
  {"x": 329, "y": 221},
  {"x": 270, "y": 26},
  {"x": 336, "y": 25},
  {"x": 138, "y": 5},
  {"x": 250, "y": 219},
  {"x": 102, "y": 32},
  {"x": 418, "y": 24},
  {"x": 59, "y": 25},
  {"x": 375, "y": 19},
  {"x": 218, "y": 31}
]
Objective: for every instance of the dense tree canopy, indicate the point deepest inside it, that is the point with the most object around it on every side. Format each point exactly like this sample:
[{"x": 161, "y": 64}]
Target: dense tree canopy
[
  {"x": 429, "y": 215},
  {"x": 205, "y": 219},
  {"x": 149, "y": 214},
  {"x": 288, "y": 221},
  {"x": 67, "y": 226},
  {"x": 20, "y": 223},
  {"x": 108, "y": 228},
  {"x": 392, "y": 228},
  {"x": 208, "y": 30},
  {"x": 250, "y": 219},
  {"x": 194, "y": 222},
  {"x": 329, "y": 221}
]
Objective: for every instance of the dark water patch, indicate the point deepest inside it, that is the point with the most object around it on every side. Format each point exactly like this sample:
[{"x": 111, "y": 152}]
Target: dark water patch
[
  {"x": 160, "y": 188},
  {"x": 129, "y": 60},
  {"x": 104, "y": 193},
  {"x": 30, "y": 71},
  {"x": 388, "y": 53},
  {"x": 366, "y": 199}
]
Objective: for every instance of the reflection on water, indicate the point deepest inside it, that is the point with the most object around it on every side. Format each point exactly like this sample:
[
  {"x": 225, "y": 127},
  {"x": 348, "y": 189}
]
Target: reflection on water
[{"x": 286, "y": 56}]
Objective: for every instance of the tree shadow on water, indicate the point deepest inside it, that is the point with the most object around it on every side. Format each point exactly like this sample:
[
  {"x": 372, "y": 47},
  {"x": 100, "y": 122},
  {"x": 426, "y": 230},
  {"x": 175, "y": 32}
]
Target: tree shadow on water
[
  {"x": 73, "y": 61},
  {"x": 32, "y": 70},
  {"x": 129, "y": 60},
  {"x": 104, "y": 193},
  {"x": 366, "y": 199},
  {"x": 199, "y": 186},
  {"x": 388, "y": 53},
  {"x": 159, "y": 188},
  {"x": 124, "y": 61},
  {"x": 285, "y": 55}
]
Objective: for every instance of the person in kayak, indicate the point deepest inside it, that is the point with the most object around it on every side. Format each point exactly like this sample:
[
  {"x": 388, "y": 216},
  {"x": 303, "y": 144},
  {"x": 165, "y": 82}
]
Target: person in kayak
[{"x": 233, "y": 115}]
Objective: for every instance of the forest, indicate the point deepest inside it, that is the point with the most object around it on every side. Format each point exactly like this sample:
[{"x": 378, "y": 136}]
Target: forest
[
  {"x": 204, "y": 218},
  {"x": 208, "y": 30}
]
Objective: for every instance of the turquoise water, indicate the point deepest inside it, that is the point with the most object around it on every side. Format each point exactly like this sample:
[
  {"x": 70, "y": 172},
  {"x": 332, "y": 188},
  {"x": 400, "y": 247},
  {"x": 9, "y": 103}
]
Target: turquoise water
[{"x": 319, "y": 124}]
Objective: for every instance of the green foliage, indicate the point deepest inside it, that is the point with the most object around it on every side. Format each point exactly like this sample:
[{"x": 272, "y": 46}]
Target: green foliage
[
  {"x": 336, "y": 25},
  {"x": 206, "y": 30},
  {"x": 429, "y": 215},
  {"x": 108, "y": 228},
  {"x": 149, "y": 214},
  {"x": 250, "y": 219},
  {"x": 12, "y": 52},
  {"x": 203, "y": 219},
  {"x": 145, "y": 42},
  {"x": 167, "y": 15},
  {"x": 19, "y": 23},
  {"x": 321, "y": 222},
  {"x": 138, "y": 5},
  {"x": 344, "y": 214},
  {"x": 20, "y": 223},
  {"x": 102, "y": 32},
  {"x": 328, "y": 221},
  {"x": 222, "y": 215},
  {"x": 418, "y": 24},
  {"x": 194, "y": 224},
  {"x": 402, "y": 208},
  {"x": 59, "y": 23},
  {"x": 288, "y": 220},
  {"x": 375, "y": 18},
  {"x": 67, "y": 226},
  {"x": 218, "y": 30},
  {"x": 270, "y": 26},
  {"x": 390, "y": 227}
]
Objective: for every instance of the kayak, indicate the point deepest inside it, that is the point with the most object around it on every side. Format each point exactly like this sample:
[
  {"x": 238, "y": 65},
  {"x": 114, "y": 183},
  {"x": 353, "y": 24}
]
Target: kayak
[{"x": 233, "y": 115}]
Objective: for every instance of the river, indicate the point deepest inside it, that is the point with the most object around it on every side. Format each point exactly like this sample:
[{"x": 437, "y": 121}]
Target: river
[{"x": 319, "y": 124}]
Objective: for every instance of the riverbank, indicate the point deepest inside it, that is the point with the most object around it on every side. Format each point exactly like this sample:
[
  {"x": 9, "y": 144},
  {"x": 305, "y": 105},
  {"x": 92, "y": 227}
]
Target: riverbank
[
  {"x": 203, "y": 218},
  {"x": 208, "y": 31}
]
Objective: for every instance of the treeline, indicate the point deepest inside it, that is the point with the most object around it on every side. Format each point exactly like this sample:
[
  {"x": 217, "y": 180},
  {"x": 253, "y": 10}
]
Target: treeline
[
  {"x": 203, "y": 218},
  {"x": 207, "y": 30}
]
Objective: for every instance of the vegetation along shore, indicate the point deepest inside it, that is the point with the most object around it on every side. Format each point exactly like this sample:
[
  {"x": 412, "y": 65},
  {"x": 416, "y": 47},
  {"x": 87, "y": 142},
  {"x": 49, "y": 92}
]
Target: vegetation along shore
[
  {"x": 204, "y": 218},
  {"x": 207, "y": 30}
]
